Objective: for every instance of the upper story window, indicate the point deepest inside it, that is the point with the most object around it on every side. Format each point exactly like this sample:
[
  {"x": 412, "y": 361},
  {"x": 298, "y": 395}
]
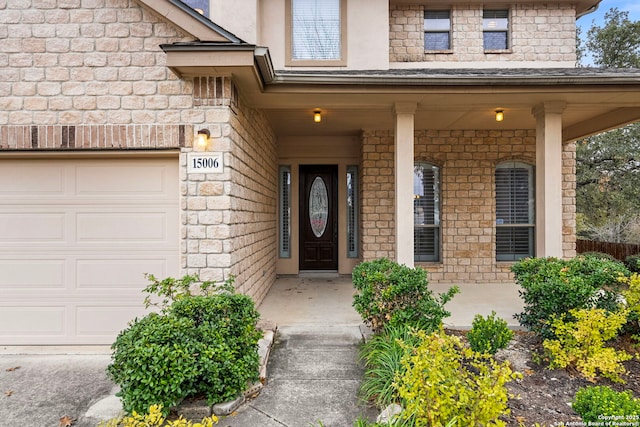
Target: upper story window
[
  {"x": 426, "y": 212},
  {"x": 515, "y": 211},
  {"x": 316, "y": 32},
  {"x": 495, "y": 29},
  {"x": 437, "y": 30}
]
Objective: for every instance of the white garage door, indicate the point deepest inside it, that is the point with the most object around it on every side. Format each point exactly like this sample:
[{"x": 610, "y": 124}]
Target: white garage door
[{"x": 76, "y": 237}]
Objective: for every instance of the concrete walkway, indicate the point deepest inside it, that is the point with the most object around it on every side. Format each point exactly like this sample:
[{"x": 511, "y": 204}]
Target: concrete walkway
[
  {"x": 312, "y": 376},
  {"x": 327, "y": 301}
]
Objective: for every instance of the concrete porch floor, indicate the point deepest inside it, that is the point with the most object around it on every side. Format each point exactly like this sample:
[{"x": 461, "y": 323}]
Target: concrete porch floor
[{"x": 326, "y": 301}]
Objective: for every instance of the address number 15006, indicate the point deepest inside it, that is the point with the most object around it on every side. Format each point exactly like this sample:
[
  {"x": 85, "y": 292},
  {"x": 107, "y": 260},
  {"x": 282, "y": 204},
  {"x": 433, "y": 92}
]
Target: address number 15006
[{"x": 204, "y": 163}]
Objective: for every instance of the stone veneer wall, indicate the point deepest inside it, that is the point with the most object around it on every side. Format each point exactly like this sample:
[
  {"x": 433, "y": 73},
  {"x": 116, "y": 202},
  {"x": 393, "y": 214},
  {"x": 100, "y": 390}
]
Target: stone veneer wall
[
  {"x": 229, "y": 219},
  {"x": 89, "y": 62},
  {"x": 254, "y": 185},
  {"x": 467, "y": 159},
  {"x": 538, "y": 32}
]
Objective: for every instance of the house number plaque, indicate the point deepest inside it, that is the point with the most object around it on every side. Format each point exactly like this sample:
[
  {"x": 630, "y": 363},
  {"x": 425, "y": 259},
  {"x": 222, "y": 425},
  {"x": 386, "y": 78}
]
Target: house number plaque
[{"x": 204, "y": 163}]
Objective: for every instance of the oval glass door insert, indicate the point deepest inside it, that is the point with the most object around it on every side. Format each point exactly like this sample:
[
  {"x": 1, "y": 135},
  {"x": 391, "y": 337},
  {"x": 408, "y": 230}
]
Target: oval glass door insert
[{"x": 318, "y": 206}]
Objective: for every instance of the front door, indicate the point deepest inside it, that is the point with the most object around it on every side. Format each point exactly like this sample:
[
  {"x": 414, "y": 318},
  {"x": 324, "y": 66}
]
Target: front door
[{"x": 318, "y": 217}]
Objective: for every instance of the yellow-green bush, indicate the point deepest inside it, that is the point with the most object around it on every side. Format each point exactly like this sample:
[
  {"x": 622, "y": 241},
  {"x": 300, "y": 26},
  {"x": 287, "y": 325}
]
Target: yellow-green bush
[
  {"x": 632, "y": 293},
  {"x": 443, "y": 380},
  {"x": 155, "y": 418},
  {"x": 581, "y": 343}
]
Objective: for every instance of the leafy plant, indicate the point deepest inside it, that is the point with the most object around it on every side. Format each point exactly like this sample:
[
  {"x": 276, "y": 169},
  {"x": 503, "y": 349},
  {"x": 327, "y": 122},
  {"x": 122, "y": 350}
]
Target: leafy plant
[
  {"x": 171, "y": 289},
  {"x": 599, "y": 255},
  {"x": 155, "y": 418},
  {"x": 443, "y": 380},
  {"x": 632, "y": 262},
  {"x": 591, "y": 403},
  {"x": 631, "y": 297},
  {"x": 397, "y": 422},
  {"x": 382, "y": 357},
  {"x": 552, "y": 287},
  {"x": 390, "y": 293},
  {"x": 581, "y": 343},
  {"x": 198, "y": 344},
  {"x": 490, "y": 334}
]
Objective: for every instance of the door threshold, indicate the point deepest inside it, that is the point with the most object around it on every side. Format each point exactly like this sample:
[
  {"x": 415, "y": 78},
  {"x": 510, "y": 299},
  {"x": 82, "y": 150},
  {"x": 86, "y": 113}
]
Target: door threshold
[{"x": 319, "y": 274}]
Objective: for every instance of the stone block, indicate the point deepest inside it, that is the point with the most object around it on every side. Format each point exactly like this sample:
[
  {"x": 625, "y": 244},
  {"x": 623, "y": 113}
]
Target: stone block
[
  {"x": 194, "y": 409},
  {"x": 227, "y": 408}
]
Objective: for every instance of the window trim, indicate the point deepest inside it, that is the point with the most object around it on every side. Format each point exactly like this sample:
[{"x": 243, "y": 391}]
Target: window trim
[
  {"x": 531, "y": 225},
  {"x": 291, "y": 62},
  {"x": 437, "y": 223},
  {"x": 449, "y": 32},
  {"x": 508, "y": 31}
]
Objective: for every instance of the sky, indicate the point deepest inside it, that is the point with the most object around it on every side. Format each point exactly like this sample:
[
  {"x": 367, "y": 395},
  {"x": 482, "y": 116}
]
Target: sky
[{"x": 585, "y": 22}]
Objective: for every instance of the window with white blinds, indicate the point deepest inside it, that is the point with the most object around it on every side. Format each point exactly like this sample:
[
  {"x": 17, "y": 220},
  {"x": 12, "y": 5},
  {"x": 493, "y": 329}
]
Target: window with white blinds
[
  {"x": 284, "y": 238},
  {"x": 315, "y": 30},
  {"x": 495, "y": 29},
  {"x": 515, "y": 206},
  {"x": 426, "y": 212},
  {"x": 437, "y": 30},
  {"x": 352, "y": 211}
]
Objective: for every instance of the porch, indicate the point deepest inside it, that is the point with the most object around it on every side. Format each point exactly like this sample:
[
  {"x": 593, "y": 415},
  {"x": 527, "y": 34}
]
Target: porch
[{"x": 326, "y": 301}]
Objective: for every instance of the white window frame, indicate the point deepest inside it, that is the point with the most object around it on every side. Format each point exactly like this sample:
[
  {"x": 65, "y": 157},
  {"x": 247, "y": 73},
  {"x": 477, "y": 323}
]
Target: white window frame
[
  {"x": 515, "y": 211},
  {"x": 295, "y": 28}
]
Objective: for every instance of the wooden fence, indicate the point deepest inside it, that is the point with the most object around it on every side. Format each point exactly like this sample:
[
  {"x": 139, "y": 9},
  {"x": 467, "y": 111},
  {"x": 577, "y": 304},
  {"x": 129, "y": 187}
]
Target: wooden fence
[{"x": 618, "y": 250}]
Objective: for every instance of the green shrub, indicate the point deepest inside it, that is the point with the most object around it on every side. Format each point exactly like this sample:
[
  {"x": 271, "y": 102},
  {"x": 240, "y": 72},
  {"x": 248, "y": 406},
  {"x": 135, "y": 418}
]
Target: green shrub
[
  {"x": 632, "y": 262},
  {"x": 551, "y": 287},
  {"x": 389, "y": 293},
  {"x": 382, "y": 356},
  {"x": 599, "y": 255},
  {"x": 592, "y": 403},
  {"x": 198, "y": 344},
  {"x": 443, "y": 381},
  {"x": 581, "y": 343},
  {"x": 488, "y": 335}
]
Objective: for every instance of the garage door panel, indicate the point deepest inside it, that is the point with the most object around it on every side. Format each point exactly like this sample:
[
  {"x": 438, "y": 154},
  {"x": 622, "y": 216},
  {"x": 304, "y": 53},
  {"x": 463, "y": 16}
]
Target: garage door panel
[
  {"x": 42, "y": 179},
  {"x": 98, "y": 321},
  {"x": 122, "y": 227},
  {"x": 32, "y": 227},
  {"x": 32, "y": 320},
  {"x": 137, "y": 180},
  {"x": 119, "y": 273},
  {"x": 40, "y": 274}
]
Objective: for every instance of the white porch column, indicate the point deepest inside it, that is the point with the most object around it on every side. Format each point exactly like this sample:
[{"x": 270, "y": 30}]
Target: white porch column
[
  {"x": 403, "y": 155},
  {"x": 549, "y": 178}
]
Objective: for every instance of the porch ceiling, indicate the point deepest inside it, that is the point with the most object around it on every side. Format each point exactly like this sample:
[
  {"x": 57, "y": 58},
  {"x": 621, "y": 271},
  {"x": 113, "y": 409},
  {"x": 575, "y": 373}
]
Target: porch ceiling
[{"x": 350, "y": 113}]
